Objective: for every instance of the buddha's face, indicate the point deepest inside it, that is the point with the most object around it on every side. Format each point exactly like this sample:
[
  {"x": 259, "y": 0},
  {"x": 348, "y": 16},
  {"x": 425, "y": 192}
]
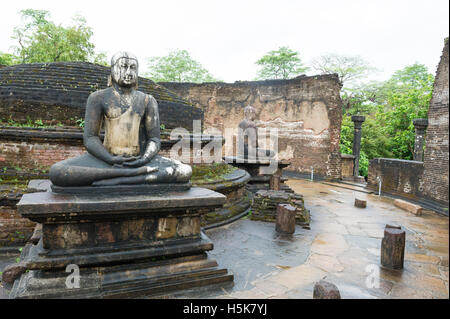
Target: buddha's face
[{"x": 125, "y": 72}]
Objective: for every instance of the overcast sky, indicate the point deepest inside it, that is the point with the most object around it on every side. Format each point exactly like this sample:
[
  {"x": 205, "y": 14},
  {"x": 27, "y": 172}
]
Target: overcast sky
[{"x": 227, "y": 37}]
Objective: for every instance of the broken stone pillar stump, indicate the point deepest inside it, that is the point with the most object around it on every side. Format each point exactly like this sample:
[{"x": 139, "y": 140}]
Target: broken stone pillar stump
[
  {"x": 325, "y": 290},
  {"x": 275, "y": 182},
  {"x": 393, "y": 247},
  {"x": 285, "y": 222},
  {"x": 123, "y": 245},
  {"x": 360, "y": 203}
]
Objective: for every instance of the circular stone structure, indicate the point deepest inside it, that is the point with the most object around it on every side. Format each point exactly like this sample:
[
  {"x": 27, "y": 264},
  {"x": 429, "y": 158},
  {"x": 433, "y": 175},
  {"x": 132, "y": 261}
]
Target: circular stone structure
[
  {"x": 58, "y": 91},
  {"x": 229, "y": 181}
]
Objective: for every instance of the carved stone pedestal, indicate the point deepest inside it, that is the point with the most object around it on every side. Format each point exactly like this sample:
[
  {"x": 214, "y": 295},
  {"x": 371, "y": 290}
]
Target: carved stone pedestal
[
  {"x": 123, "y": 245},
  {"x": 261, "y": 172}
]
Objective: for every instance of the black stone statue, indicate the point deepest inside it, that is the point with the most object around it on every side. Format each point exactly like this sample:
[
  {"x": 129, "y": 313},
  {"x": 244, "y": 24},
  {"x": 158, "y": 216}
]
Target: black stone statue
[
  {"x": 129, "y": 152},
  {"x": 247, "y": 146}
]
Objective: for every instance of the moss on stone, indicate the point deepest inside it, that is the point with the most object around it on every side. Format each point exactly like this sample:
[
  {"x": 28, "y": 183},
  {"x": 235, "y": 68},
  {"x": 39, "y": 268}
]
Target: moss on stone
[{"x": 210, "y": 173}]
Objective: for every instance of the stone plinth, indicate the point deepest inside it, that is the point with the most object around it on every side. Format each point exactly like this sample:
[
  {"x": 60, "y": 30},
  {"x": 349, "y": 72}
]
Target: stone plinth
[
  {"x": 124, "y": 245},
  {"x": 260, "y": 170}
]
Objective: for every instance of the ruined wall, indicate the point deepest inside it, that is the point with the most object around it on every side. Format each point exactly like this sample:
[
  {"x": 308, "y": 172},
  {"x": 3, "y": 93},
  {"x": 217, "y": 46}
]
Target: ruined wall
[
  {"x": 306, "y": 111},
  {"x": 398, "y": 177},
  {"x": 435, "y": 177}
]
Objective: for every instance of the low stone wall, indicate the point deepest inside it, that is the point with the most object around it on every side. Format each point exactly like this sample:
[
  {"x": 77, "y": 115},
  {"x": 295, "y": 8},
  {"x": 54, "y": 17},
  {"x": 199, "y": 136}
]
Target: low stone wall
[{"x": 398, "y": 177}]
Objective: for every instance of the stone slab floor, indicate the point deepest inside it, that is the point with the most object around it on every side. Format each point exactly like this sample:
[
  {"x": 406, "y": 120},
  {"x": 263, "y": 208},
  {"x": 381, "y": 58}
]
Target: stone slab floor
[{"x": 343, "y": 245}]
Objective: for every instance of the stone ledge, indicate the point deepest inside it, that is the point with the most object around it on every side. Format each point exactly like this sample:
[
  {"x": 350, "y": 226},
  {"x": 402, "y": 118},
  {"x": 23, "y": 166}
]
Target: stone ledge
[{"x": 412, "y": 208}]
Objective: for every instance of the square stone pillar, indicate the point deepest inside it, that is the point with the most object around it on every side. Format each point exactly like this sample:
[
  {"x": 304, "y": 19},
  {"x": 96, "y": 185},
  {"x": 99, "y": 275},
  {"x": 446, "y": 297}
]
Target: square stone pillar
[
  {"x": 421, "y": 126},
  {"x": 357, "y": 120}
]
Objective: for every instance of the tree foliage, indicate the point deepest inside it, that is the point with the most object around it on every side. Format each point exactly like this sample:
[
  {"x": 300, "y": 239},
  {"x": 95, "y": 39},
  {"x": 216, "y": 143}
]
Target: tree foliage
[
  {"x": 8, "y": 59},
  {"x": 390, "y": 108},
  {"x": 349, "y": 68},
  {"x": 41, "y": 40},
  {"x": 178, "y": 66},
  {"x": 280, "y": 64}
]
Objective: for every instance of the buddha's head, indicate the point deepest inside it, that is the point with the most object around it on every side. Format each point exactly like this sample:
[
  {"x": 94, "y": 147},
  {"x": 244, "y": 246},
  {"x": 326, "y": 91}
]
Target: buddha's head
[
  {"x": 124, "y": 69},
  {"x": 250, "y": 113}
]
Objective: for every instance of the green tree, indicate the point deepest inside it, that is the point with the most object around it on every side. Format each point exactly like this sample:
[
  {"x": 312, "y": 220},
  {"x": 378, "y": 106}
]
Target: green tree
[
  {"x": 8, "y": 59},
  {"x": 349, "y": 68},
  {"x": 280, "y": 64},
  {"x": 177, "y": 66},
  {"x": 41, "y": 40},
  {"x": 390, "y": 108}
]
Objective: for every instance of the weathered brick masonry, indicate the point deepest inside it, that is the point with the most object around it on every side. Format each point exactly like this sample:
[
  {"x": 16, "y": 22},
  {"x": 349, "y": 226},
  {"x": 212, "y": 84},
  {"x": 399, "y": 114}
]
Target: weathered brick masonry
[
  {"x": 29, "y": 149},
  {"x": 306, "y": 111},
  {"x": 435, "y": 177}
]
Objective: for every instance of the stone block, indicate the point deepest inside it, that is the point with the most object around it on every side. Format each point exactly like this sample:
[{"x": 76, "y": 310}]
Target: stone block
[
  {"x": 410, "y": 207},
  {"x": 325, "y": 290},
  {"x": 360, "y": 203},
  {"x": 11, "y": 272}
]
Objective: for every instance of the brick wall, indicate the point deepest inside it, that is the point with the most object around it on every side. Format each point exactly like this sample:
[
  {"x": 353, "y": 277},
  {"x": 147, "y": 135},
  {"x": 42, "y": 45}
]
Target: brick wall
[
  {"x": 14, "y": 230},
  {"x": 306, "y": 111},
  {"x": 435, "y": 178}
]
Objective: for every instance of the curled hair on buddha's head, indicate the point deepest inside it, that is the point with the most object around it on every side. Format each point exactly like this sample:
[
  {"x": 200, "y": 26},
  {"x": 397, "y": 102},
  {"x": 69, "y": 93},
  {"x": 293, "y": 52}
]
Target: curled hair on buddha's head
[{"x": 116, "y": 57}]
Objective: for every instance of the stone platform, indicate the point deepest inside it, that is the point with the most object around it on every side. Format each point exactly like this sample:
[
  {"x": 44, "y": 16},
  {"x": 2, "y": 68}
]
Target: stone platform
[
  {"x": 123, "y": 245},
  {"x": 260, "y": 170}
]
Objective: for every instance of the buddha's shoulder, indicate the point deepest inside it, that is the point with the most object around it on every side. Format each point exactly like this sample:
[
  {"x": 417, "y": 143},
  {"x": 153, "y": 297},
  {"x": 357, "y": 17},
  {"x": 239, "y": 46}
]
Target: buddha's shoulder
[
  {"x": 101, "y": 93},
  {"x": 148, "y": 98}
]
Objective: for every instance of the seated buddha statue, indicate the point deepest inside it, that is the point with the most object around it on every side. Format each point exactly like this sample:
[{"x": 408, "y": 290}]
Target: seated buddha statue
[
  {"x": 129, "y": 151},
  {"x": 247, "y": 141}
]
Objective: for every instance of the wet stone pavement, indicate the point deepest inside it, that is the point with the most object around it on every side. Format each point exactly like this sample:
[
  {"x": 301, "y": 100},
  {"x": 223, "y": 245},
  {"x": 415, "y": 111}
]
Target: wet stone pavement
[{"x": 342, "y": 246}]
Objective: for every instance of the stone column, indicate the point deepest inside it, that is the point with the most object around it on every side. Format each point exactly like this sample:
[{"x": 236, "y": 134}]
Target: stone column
[
  {"x": 357, "y": 120},
  {"x": 421, "y": 127}
]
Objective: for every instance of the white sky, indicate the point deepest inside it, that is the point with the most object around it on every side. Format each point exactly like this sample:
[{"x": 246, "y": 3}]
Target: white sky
[{"x": 227, "y": 37}]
